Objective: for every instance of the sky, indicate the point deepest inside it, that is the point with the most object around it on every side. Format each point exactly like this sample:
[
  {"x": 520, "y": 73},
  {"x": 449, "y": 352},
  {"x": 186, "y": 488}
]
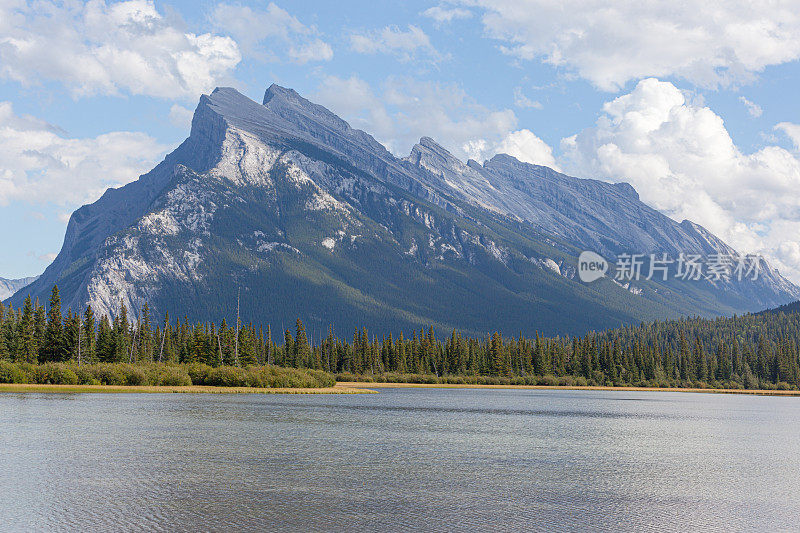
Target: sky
[{"x": 694, "y": 103}]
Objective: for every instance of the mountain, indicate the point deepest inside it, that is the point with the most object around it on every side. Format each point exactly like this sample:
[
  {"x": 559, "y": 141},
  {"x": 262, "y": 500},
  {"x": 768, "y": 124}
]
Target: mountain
[
  {"x": 10, "y": 286},
  {"x": 307, "y": 217}
]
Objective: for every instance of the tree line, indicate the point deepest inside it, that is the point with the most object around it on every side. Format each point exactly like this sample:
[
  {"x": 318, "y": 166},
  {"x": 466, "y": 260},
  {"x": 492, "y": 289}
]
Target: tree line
[{"x": 749, "y": 351}]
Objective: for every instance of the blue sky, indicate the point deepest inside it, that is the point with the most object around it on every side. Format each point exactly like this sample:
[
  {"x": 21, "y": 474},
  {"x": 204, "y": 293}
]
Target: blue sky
[{"x": 696, "y": 107}]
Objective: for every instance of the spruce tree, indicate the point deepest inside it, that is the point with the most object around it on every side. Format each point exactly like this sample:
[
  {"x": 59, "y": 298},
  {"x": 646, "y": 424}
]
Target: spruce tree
[
  {"x": 39, "y": 326},
  {"x": 89, "y": 344},
  {"x": 28, "y": 346},
  {"x": 54, "y": 342},
  {"x": 106, "y": 348},
  {"x": 302, "y": 352}
]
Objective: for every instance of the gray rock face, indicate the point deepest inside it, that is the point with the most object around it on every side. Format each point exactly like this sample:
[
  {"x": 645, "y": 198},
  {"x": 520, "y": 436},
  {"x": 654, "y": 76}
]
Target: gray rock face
[
  {"x": 10, "y": 286},
  {"x": 317, "y": 220},
  {"x": 604, "y": 217},
  {"x": 594, "y": 215}
]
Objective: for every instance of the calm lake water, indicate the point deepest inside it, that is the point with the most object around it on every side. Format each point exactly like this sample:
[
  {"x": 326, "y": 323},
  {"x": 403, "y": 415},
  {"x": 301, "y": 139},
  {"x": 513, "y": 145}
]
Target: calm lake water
[{"x": 423, "y": 459}]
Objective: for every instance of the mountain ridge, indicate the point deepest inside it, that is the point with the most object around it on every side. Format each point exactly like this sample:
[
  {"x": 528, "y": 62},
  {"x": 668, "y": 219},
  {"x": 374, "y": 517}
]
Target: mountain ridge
[
  {"x": 287, "y": 200},
  {"x": 9, "y": 286}
]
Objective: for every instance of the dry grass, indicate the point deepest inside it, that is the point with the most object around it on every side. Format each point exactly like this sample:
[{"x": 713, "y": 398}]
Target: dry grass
[{"x": 365, "y": 385}]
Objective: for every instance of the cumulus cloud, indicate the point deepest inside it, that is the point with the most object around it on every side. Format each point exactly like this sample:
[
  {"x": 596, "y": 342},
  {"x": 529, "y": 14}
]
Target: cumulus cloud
[
  {"x": 99, "y": 48},
  {"x": 406, "y": 109},
  {"x": 40, "y": 165},
  {"x": 404, "y": 44},
  {"x": 442, "y": 14},
  {"x": 682, "y": 160},
  {"x": 528, "y": 148},
  {"x": 708, "y": 43},
  {"x": 271, "y": 34},
  {"x": 752, "y": 108}
]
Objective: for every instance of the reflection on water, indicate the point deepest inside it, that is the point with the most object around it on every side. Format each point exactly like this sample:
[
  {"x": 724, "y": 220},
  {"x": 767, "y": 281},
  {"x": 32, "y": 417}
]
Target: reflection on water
[{"x": 403, "y": 459}]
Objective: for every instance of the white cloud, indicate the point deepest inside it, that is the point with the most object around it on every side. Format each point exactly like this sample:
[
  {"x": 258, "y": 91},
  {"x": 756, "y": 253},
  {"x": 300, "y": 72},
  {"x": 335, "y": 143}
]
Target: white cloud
[
  {"x": 610, "y": 43},
  {"x": 404, "y": 44},
  {"x": 528, "y": 148},
  {"x": 520, "y": 100},
  {"x": 407, "y": 109},
  {"x": 681, "y": 160},
  {"x": 316, "y": 50},
  {"x": 792, "y": 131},
  {"x": 752, "y": 108},
  {"x": 100, "y": 48},
  {"x": 443, "y": 14},
  {"x": 180, "y": 117},
  {"x": 38, "y": 164},
  {"x": 271, "y": 34}
]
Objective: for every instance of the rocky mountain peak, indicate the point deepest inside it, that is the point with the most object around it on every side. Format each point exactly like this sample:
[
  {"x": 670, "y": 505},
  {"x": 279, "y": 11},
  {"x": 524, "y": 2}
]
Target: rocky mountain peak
[
  {"x": 287, "y": 200},
  {"x": 434, "y": 157},
  {"x": 276, "y": 91},
  {"x": 290, "y": 106}
]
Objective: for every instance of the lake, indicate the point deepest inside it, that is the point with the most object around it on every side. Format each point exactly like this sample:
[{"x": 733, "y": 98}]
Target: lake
[{"x": 425, "y": 459}]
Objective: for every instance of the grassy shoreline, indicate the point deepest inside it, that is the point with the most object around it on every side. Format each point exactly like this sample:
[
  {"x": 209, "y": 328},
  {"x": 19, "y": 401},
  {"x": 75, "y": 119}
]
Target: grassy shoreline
[
  {"x": 376, "y": 385},
  {"x": 189, "y": 389},
  {"x": 347, "y": 387}
]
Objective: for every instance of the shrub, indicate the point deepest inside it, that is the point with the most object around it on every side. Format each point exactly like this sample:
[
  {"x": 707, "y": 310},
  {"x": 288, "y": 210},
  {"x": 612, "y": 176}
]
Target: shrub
[
  {"x": 580, "y": 381},
  {"x": 274, "y": 377},
  {"x": 548, "y": 380},
  {"x": 55, "y": 374},
  {"x": 85, "y": 375},
  {"x": 349, "y": 376},
  {"x": 198, "y": 372},
  {"x": 134, "y": 375},
  {"x": 163, "y": 374},
  {"x": 226, "y": 376},
  {"x": 107, "y": 374},
  {"x": 173, "y": 376},
  {"x": 323, "y": 379},
  {"x": 11, "y": 373}
]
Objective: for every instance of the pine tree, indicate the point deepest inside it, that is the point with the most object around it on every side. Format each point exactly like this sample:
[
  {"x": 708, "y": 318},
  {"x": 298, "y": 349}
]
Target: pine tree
[
  {"x": 122, "y": 336},
  {"x": 5, "y": 352},
  {"x": 28, "y": 347},
  {"x": 39, "y": 326},
  {"x": 500, "y": 364},
  {"x": 302, "y": 353},
  {"x": 288, "y": 349},
  {"x": 89, "y": 344},
  {"x": 54, "y": 342},
  {"x": 71, "y": 335}
]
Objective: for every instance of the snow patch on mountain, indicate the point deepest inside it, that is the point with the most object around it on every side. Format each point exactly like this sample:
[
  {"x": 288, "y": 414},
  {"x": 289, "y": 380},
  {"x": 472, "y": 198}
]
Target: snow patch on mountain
[{"x": 244, "y": 159}]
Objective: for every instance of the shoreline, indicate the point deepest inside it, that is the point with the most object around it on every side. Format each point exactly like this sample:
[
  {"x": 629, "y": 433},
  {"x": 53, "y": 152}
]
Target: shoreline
[
  {"x": 349, "y": 387},
  {"x": 185, "y": 389},
  {"x": 752, "y": 392}
]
